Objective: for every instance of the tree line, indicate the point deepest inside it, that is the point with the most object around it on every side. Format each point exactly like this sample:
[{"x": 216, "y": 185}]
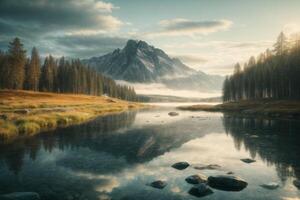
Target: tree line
[
  {"x": 275, "y": 74},
  {"x": 18, "y": 72}
]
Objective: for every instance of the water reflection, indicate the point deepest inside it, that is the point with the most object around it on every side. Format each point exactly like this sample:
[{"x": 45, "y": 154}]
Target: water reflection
[
  {"x": 276, "y": 142},
  {"x": 115, "y": 156}
]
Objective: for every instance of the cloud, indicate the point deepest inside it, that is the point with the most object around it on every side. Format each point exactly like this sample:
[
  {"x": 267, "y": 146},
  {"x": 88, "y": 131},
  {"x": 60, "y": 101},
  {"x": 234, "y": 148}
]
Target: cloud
[
  {"x": 87, "y": 46},
  {"x": 59, "y": 15},
  {"x": 191, "y": 59},
  {"x": 291, "y": 28},
  {"x": 185, "y": 27},
  {"x": 47, "y": 23},
  {"x": 220, "y": 56},
  {"x": 161, "y": 89}
]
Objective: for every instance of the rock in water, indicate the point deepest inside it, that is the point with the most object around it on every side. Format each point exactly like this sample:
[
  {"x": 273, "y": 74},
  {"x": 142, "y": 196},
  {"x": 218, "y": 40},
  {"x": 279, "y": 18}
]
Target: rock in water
[
  {"x": 210, "y": 167},
  {"x": 227, "y": 183},
  {"x": 248, "y": 160},
  {"x": 297, "y": 183},
  {"x": 200, "y": 190},
  {"x": 180, "y": 165},
  {"x": 21, "y": 196},
  {"x": 196, "y": 179},
  {"x": 158, "y": 184},
  {"x": 270, "y": 186},
  {"x": 173, "y": 113}
]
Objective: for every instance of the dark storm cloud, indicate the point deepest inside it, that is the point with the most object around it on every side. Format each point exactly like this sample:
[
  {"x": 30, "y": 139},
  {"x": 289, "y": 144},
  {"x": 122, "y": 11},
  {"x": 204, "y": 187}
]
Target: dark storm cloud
[
  {"x": 64, "y": 14},
  {"x": 49, "y": 22}
]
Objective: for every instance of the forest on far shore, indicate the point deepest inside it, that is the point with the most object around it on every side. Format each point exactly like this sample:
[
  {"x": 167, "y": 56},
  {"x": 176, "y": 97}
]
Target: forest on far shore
[
  {"x": 18, "y": 72},
  {"x": 275, "y": 74}
]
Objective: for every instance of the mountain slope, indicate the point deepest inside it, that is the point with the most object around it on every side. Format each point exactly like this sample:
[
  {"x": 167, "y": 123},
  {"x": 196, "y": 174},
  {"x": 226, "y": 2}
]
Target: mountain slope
[{"x": 140, "y": 62}]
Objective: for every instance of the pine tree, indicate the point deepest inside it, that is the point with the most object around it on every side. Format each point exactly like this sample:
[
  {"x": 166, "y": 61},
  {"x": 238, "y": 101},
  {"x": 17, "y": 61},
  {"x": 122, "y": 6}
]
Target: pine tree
[
  {"x": 32, "y": 72},
  {"x": 16, "y": 64},
  {"x": 281, "y": 46}
]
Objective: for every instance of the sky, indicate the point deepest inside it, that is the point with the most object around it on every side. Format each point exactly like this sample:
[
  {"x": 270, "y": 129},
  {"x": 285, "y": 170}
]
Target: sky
[{"x": 207, "y": 35}]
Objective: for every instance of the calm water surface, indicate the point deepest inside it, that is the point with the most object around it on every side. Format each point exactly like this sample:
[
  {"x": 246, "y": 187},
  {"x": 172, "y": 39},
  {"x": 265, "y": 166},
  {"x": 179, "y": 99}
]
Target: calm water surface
[{"x": 115, "y": 157}]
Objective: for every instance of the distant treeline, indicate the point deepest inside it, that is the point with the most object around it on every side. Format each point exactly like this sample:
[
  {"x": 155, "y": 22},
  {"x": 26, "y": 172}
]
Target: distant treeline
[
  {"x": 18, "y": 72},
  {"x": 274, "y": 75}
]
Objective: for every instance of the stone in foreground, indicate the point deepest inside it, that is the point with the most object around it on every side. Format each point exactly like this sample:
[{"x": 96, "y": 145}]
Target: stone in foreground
[
  {"x": 248, "y": 160},
  {"x": 270, "y": 186},
  {"x": 196, "y": 179},
  {"x": 227, "y": 183},
  {"x": 158, "y": 184},
  {"x": 181, "y": 165},
  {"x": 200, "y": 190},
  {"x": 297, "y": 183},
  {"x": 21, "y": 196},
  {"x": 173, "y": 113}
]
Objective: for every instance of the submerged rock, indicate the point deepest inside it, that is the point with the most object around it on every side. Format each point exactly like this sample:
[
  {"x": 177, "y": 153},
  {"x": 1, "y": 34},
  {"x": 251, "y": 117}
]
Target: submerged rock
[
  {"x": 158, "y": 184},
  {"x": 248, "y": 160},
  {"x": 210, "y": 167},
  {"x": 173, "y": 113},
  {"x": 227, "y": 183},
  {"x": 297, "y": 183},
  {"x": 21, "y": 196},
  {"x": 270, "y": 186},
  {"x": 200, "y": 190},
  {"x": 196, "y": 179},
  {"x": 181, "y": 165},
  {"x": 229, "y": 173}
]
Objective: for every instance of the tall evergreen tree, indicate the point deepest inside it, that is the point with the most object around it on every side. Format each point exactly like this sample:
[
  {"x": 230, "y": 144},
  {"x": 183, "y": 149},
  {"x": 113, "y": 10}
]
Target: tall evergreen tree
[
  {"x": 281, "y": 46},
  {"x": 16, "y": 64},
  {"x": 32, "y": 71}
]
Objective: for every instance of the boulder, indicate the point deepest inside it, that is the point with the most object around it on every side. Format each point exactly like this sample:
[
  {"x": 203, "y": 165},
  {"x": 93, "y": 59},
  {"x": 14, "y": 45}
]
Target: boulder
[
  {"x": 158, "y": 184},
  {"x": 270, "y": 186},
  {"x": 181, "y": 165},
  {"x": 227, "y": 183},
  {"x": 21, "y": 196},
  {"x": 230, "y": 172},
  {"x": 297, "y": 183},
  {"x": 210, "y": 167},
  {"x": 196, "y": 179},
  {"x": 248, "y": 160},
  {"x": 173, "y": 113},
  {"x": 200, "y": 190}
]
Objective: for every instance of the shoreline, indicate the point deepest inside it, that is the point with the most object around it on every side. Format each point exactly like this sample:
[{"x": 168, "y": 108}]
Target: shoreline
[
  {"x": 266, "y": 108},
  {"x": 27, "y": 113}
]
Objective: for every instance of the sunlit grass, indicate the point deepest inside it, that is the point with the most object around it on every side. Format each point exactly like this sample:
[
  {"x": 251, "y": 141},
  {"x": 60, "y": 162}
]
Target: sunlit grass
[{"x": 47, "y": 111}]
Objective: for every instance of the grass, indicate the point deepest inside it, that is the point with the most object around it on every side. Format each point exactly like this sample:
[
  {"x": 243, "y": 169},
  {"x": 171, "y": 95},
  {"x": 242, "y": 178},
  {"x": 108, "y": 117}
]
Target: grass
[
  {"x": 25, "y": 113},
  {"x": 272, "y": 108}
]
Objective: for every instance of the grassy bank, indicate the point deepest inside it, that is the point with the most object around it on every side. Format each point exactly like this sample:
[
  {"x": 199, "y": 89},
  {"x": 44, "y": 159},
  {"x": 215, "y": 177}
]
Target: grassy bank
[
  {"x": 272, "y": 108},
  {"x": 25, "y": 113}
]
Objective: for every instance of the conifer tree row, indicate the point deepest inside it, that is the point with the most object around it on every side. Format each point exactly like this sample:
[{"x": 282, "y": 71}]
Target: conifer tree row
[
  {"x": 273, "y": 75},
  {"x": 60, "y": 76}
]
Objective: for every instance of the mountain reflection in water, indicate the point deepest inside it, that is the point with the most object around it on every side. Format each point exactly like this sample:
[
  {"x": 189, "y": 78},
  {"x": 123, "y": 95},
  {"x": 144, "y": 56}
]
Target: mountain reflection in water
[{"x": 116, "y": 156}]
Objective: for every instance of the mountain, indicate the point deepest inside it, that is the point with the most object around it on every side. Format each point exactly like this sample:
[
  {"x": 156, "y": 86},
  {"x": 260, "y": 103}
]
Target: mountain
[{"x": 142, "y": 63}]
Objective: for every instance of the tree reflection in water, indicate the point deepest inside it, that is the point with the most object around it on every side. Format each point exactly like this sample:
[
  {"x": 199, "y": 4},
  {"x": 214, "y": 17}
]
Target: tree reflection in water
[
  {"x": 277, "y": 142},
  {"x": 72, "y": 137}
]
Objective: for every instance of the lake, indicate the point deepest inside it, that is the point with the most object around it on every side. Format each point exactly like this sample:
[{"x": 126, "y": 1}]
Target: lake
[{"x": 117, "y": 156}]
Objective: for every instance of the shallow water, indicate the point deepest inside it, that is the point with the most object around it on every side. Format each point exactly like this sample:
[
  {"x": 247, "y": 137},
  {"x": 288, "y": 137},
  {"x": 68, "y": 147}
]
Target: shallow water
[{"x": 115, "y": 157}]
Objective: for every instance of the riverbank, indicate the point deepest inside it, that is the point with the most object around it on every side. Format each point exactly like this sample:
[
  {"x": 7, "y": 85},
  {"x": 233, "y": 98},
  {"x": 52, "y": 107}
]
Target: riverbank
[
  {"x": 26, "y": 113},
  {"x": 271, "y": 108}
]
